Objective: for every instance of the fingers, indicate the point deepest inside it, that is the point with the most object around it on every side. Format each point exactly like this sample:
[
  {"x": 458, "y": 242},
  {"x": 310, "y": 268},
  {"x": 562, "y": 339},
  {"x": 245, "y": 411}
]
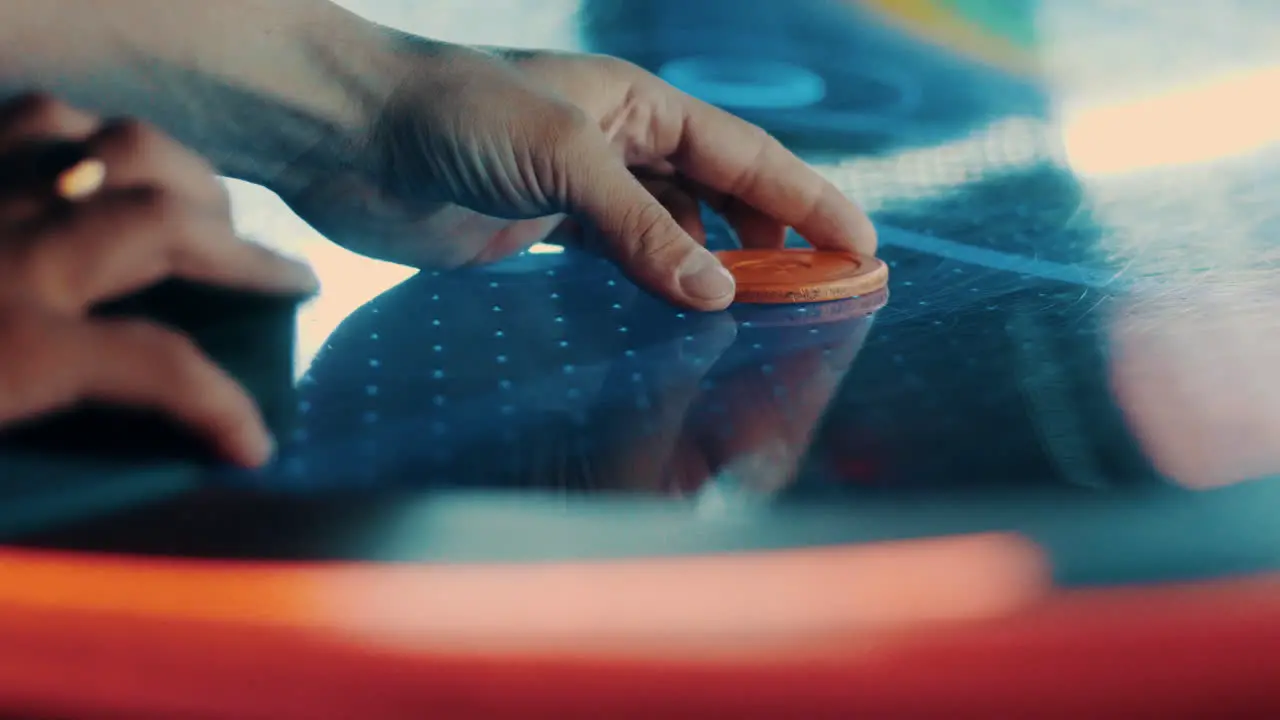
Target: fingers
[
  {"x": 145, "y": 365},
  {"x": 39, "y": 138},
  {"x": 159, "y": 212},
  {"x": 641, "y": 234},
  {"x": 52, "y": 363},
  {"x": 734, "y": 157},
  {"x": 33, "y": 169},
  {"x": 753, "y": 228},
  {"x": 682, "y": 205},
  {"x": 37, "y": 117},
  {"x": 34, "y": 176},
  {"x": 137, "y": 154},
  {"x": 512, "y": 236},
  {"x": 134, "y": 152},
  {"x": 125, "y": 240}
]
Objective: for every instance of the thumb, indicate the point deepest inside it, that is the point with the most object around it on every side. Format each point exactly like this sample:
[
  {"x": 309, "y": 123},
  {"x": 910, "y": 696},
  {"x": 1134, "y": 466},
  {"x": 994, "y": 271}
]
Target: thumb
[{"x": 643, "y": 238}]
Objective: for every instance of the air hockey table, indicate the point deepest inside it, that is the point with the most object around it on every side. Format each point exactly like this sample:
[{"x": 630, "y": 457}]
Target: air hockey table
[{"x": 1037, "y": 477}]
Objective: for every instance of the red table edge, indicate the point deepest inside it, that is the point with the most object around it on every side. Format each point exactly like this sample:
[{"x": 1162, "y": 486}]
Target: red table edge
[{"x": 1180, "y": 650}]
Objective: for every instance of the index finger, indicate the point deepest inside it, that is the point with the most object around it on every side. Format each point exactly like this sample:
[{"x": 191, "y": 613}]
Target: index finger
[
  {"x": 737, "y": 158},
  {"x": 35, "y": 116}
]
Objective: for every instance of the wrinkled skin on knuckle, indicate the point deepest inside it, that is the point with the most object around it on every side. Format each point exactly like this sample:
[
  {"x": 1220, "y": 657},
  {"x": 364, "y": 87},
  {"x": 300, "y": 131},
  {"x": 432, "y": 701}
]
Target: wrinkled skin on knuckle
[
  {"x": 650, "y": 243},
  {"x": 557, "y": 149},
  {"x": 568, "y": 125}
]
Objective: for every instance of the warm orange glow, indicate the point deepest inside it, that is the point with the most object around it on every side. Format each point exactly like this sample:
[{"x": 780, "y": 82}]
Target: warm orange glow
[
  {"x": 1166, "y": 651},
  {"x": 1193, "y": 123},
  {"x": 937, "y": 24},
  {"x": 669, "y": 607}
]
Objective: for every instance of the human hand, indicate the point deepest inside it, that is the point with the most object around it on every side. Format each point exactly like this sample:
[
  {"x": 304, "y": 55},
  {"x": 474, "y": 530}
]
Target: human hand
[
  {"x": 470, "y": 140},
  {"x": 159, "y": 212}
]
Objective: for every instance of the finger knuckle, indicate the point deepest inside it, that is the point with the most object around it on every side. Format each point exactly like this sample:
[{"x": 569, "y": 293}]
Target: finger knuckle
[
  {"x": 142, "y": 151},
  {"x": 38, "y": 110},
  {"x": 219, "y": 193},
  {"x": 156, "y": 204},
  {"x": 125, "y": 215},
  {"x": 453, "y": 257},
  {"x": 172, "y": 226},
  {"x": 649, "y": 225},
  {"x": 171, "y": 354},
  {"x": 40, "y": 273},
  {"x": 194, "y": 382},
  {"x": 127, "y": 137},
  {"x": 23, "y": 335},
  {"x": 616, "y": 66},
  {"x": 190, "y": 238},
  {"x": 569, "y": 124},
  {"x": 29, "y": 367},
  {"x": 763, "y": 146},
  {"x": 559, "y": 146}
]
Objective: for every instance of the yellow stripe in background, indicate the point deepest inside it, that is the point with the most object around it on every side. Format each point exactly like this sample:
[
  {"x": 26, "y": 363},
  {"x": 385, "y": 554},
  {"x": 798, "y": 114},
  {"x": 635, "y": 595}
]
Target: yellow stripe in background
[{"x": 942, "y": 26}]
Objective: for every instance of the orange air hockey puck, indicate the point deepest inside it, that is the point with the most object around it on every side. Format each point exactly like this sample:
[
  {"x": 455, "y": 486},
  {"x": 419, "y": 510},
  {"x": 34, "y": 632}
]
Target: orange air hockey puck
[{"x": 775, "y": 277}]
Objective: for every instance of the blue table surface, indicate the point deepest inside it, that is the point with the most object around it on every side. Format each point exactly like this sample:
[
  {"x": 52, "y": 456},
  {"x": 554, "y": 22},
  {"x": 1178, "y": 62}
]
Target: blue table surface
[{"x": 1077, "y": 343}]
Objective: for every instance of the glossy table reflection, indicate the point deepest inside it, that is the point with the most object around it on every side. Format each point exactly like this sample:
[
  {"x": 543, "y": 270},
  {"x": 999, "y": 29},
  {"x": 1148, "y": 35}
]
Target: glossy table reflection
[{"x": 1040, "y": 480}]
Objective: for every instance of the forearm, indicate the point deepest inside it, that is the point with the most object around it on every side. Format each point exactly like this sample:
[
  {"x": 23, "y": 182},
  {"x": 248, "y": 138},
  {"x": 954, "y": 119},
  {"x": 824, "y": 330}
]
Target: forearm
[{"x": 251, "y": 84}]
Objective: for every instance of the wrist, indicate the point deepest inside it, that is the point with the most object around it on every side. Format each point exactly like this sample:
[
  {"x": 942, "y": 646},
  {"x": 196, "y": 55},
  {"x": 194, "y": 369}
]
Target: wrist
[
  {"x": 312, "y": 116},
  {"x": 253, "y": 85},
  {"x": 377, "y": 78}
]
